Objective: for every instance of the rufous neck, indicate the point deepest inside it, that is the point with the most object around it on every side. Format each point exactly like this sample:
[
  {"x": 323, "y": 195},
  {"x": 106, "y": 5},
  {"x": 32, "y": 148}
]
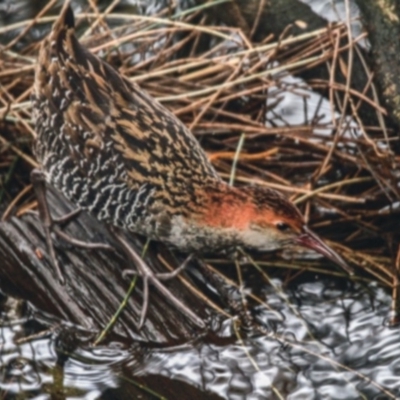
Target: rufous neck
[{"x": 224, "y": 206}]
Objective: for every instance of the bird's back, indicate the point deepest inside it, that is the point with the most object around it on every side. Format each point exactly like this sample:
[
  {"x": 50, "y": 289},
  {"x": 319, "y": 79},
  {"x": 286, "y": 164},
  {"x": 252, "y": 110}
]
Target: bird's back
[{"x": 105, "y": 143}]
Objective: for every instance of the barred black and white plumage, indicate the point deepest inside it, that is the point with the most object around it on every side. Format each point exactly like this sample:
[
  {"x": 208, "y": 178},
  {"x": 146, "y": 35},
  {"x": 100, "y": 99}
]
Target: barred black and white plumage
[
  {"x": 116, "y": 152},
  {"x": 105, "y": 143}
]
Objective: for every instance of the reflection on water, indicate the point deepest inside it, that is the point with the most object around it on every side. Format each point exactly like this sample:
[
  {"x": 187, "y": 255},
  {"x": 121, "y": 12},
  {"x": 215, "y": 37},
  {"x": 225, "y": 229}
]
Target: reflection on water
[
  {"x": 332, "y": 343},
  {"x": 327, "y": 342}
]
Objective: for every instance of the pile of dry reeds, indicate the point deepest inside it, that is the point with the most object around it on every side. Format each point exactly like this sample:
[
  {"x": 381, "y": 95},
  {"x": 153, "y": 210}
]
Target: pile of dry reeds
[{"x": 230, "y": 92}]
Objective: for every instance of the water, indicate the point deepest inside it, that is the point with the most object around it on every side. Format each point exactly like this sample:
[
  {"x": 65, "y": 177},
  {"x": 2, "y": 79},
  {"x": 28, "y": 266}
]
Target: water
[{"x": 326, "y": 340}]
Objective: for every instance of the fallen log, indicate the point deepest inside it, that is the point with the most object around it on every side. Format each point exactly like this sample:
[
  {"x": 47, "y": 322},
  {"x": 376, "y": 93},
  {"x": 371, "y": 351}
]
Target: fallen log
[{"x": 94, "y": 285}]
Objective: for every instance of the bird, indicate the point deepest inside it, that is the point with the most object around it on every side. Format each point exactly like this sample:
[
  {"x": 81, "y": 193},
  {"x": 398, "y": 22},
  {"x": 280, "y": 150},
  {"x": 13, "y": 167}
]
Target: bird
[{"x": 117, "y": 153}]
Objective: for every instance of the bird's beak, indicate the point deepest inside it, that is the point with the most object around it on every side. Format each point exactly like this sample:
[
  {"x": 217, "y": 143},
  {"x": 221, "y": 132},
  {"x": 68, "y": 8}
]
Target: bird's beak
[{"x": 310, "y": 240}]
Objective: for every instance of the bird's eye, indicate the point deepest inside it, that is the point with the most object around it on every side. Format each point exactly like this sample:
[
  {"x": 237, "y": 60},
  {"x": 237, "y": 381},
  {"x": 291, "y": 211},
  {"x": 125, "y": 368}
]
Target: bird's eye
[{"x": 283, "y": 226}]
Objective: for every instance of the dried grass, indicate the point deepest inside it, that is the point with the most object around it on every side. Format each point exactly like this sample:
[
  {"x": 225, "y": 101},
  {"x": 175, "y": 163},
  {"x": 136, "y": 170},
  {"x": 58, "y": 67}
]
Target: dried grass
[{"x": 228, "y": 90}]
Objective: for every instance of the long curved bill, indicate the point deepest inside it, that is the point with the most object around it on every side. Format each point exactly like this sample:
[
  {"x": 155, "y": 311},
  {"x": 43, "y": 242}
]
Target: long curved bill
[{"x": 310, "y": 240}]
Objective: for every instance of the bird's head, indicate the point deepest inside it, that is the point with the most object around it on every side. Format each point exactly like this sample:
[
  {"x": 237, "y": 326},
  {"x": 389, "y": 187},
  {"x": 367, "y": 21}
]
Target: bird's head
[{"x": 264, "y": 220}]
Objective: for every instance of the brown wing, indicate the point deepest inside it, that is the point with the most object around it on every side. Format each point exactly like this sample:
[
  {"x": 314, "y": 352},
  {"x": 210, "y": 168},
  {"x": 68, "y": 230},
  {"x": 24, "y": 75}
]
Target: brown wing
[{"x": 97, "y": 122}]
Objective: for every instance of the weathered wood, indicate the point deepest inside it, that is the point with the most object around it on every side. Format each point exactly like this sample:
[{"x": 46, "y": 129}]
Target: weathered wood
[
  {"x": 382, "y": 21},
  {"x": 94, "y": 283}
]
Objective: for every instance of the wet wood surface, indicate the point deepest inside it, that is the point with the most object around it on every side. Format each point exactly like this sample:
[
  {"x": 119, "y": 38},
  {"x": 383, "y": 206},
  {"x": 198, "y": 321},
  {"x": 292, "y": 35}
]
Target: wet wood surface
[{"x": 95, "y": 285}]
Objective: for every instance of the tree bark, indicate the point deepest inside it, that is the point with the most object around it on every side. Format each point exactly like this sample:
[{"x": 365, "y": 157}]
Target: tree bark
[
  {"x": 381, "y": 19},
  {"x": 94, "y": 285}
]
